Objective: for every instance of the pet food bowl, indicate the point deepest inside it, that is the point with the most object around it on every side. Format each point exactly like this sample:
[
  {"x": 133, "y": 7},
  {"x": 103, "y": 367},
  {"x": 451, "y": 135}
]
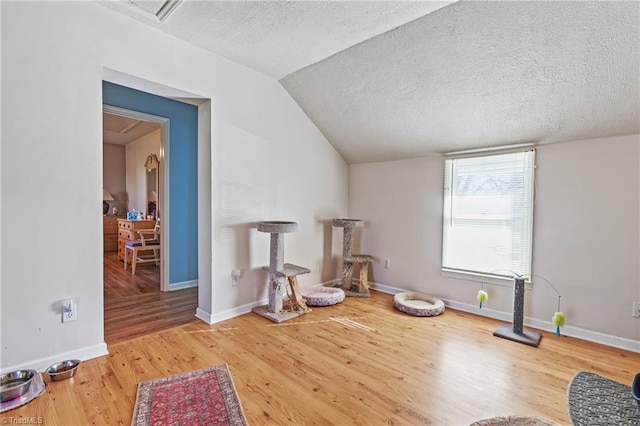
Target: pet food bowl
[
  {"x": 15, "y": 384},
  {"x": 63, "y": 370},
  {"x": 635, "y": 389}
]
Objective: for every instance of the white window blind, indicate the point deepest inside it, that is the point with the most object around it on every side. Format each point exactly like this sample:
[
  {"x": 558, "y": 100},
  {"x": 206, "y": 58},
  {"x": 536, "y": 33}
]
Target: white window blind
[{"x": 488, "y": 214}]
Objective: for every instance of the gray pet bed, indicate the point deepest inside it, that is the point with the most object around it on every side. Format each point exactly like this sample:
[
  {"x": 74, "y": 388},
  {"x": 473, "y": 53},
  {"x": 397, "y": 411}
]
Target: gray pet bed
[
  {"x": 418, "y": 304},
  {"x": 322, "y": 296}
]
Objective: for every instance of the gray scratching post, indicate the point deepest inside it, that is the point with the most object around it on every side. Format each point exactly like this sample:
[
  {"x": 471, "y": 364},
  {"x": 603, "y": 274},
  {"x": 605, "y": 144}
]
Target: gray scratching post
[
  {"x": 276, "y": 263},
  {"x": 347, "y": 239},
  {"x": 518, "y": 305},
  {"x": 517, "y": 333}
]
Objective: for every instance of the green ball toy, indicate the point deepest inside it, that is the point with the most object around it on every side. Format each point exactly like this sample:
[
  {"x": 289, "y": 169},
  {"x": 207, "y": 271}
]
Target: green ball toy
[
  {"x": 482, "y": 297},
  {"x": 558, "y": 319}
]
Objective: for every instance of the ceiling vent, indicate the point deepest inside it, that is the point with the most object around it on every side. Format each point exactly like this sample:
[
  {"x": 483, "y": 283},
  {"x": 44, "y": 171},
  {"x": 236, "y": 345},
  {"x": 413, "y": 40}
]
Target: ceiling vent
[{"x": 167, "y": 8}]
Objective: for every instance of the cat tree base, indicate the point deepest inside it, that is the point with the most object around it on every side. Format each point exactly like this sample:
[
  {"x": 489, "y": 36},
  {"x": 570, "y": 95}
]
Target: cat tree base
[
  {"x": 528, "y": 337},
  {"x": 263, "y": 311}
]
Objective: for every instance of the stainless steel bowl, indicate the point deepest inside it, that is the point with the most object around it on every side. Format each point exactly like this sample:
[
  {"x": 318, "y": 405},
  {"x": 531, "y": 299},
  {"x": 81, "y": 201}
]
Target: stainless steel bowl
[
  {"x": 63, "y": 370},
  {"x": 15, "y": 384}
]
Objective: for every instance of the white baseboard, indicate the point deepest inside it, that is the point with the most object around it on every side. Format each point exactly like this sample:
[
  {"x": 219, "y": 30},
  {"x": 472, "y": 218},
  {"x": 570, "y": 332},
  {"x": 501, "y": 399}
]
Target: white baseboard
[
  {"x": 229, "y": 313},
  {"x": 577, "y": 332},
  {"x": 210, "y": 318},
  {"x": 182, "y": 285},
  {"x": 330, "y": 283},
  {"x": 581, "y": 333},
  {"x": 203, "y": 315},
  {"x": 241, "y": 310},
  {"x": 385, "y": 288},
  {"x": 42, "y": 364}
]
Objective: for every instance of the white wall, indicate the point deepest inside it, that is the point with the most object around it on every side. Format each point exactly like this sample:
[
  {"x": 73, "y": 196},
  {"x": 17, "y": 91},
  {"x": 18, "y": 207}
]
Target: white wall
[
  {"x": 54, "y": 56},
  {"x": 262, "y": 178},
  {"x": 586, "y": 235},
  {"x": 137, "y": 152}
]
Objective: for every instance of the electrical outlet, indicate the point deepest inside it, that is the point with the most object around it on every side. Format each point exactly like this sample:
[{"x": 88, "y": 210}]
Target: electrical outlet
[
  {"x": 235, "y": 277},
  {"x": 387, "y": 264},
  {"x": 636, "y": 310},
  {"x": 69, "y": 311}
]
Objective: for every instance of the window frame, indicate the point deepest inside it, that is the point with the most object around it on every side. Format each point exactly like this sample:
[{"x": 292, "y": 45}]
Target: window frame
[{"x": 501, "y": 276}]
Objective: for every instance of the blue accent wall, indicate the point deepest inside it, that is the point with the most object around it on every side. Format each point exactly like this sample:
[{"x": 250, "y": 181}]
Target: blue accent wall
[{"x": 182, "y": 173}]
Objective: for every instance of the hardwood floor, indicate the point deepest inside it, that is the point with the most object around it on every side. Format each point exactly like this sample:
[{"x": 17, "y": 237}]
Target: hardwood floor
[
  {"x": 357, "y": 363},
  {"x": 134, "y": 305}
]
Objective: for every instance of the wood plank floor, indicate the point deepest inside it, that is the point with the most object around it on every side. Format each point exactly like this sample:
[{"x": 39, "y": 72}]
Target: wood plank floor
[
  {"x": 358, "y": 363},
  {"x": 134, "y": 305}
]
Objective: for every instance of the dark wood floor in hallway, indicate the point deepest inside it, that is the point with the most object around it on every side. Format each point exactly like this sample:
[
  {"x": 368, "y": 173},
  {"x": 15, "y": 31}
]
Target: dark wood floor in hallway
[{"x": 134, "y": 305}]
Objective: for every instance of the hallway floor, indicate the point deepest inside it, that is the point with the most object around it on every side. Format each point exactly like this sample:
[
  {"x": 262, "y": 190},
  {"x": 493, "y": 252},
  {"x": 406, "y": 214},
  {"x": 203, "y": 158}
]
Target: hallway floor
[{"x": 134, "y": 305}]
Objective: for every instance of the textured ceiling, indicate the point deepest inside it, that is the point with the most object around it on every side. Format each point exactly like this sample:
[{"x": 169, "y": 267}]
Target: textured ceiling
[
  {"x": 277, "y": 37},
  {"x": 455, "y": 76},
  {"x": 122, "y": 130},
  {"x": 480, "y": 74}
]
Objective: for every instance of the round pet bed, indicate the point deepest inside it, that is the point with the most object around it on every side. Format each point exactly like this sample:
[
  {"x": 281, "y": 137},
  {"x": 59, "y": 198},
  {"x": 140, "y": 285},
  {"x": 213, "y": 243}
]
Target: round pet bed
[
  {"x": 514, "y": 420},
  {"x": 418, "y": 304},
  {"x": 322, "y": 296}
]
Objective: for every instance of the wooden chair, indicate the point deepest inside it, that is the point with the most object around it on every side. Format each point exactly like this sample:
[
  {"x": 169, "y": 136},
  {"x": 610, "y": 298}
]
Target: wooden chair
[{"x": 144, "y": 250}]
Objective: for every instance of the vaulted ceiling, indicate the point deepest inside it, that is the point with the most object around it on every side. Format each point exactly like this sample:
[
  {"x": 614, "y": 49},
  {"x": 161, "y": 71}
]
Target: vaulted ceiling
[{"x": 390, "y": 80}]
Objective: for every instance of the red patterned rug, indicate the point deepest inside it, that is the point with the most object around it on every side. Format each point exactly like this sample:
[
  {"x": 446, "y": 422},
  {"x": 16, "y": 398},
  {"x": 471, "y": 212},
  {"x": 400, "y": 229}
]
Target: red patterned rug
[{"x": 203, "y": 397}]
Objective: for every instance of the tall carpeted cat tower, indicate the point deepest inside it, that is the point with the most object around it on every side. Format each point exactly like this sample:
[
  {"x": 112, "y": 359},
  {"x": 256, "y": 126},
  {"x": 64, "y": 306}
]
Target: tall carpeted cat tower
[
  {"x": 280, "y": 274},
  {"x": 349, "y": 260}
]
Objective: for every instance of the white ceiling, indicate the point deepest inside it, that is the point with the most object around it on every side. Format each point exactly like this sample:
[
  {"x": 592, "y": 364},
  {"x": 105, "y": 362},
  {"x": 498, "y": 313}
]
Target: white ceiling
[
  {"x": 122, "y": 130},
  {"x": 479, "y": 74},
  {"x": 277, "y": 37},
  {"x": 453, "y": 76}
]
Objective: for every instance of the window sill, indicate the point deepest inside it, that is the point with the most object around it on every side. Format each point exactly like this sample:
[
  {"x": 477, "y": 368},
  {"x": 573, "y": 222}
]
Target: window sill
[{"x": 478, "y": 277}]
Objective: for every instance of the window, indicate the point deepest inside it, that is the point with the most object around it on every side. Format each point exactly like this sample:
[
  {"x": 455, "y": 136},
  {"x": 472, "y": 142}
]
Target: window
[{"x": 488, "y": 214}]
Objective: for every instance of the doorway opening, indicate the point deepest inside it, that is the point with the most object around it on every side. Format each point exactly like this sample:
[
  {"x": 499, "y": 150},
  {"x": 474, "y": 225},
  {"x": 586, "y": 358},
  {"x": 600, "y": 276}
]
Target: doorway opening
[
  {"x": 186, "y": 184},
  {"x": 136, "y": 187},
  {"x": 142, "y": 136}
]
